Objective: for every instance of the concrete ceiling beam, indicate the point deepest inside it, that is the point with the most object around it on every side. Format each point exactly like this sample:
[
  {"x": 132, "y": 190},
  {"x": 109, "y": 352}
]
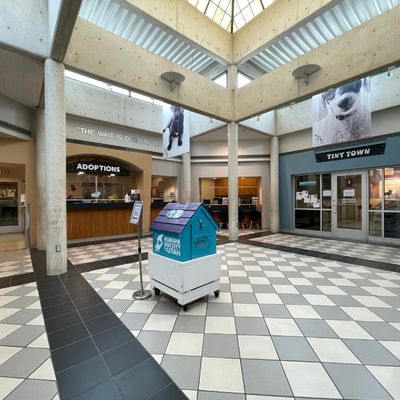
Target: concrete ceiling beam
[
  {"x": 366, "y": 49},
  {"x": 99, "y": 53}
]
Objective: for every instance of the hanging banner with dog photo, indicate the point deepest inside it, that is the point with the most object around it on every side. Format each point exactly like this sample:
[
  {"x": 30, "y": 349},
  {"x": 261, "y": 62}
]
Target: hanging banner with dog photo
[
  {"x": 175, "y": 131},
  {"x": 342, "y": 114}
]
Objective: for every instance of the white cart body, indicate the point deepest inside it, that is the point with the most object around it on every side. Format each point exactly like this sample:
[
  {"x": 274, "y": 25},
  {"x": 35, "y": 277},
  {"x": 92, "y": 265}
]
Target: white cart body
[{"x": 185, "y": 281}]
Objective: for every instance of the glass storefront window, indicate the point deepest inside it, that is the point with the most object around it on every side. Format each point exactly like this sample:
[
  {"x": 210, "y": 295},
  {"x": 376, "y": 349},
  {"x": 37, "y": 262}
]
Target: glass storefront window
[
  {"x": 326, "y": 192},
  {"x": 375, "y": 224},
  {"x": 308, "y": 219},
  {"x": 307, "y": 191},
  {"x": 326, "y": 221},
  {"x": 375, "y": 189},
  {"x": 392, "y": 225},
  {"x": 392, "y": 188}
]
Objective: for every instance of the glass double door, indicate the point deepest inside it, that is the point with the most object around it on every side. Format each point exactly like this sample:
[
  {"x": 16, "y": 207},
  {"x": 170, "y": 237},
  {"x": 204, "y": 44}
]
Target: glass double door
[
  {"x": 349, "y": 205},
  {"x": 10, "y": 212}
]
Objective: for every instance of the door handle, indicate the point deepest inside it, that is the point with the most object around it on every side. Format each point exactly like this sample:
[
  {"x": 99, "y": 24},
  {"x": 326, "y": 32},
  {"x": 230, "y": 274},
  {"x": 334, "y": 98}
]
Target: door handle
[{"x": 334, "y": 208}]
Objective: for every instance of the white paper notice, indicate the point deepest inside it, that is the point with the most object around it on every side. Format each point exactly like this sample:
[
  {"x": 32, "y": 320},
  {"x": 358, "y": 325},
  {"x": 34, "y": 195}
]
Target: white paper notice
[
  {"x": 349, "y": 192},
  {"x": 299, "y": 195},
  {"x": 314, "y": 199},
  {"x": 305, "y": 192},
  {"x": 327, "y": 193},
  {"x": 316, "y": 204},
  {"x": 307, "y": 199}
]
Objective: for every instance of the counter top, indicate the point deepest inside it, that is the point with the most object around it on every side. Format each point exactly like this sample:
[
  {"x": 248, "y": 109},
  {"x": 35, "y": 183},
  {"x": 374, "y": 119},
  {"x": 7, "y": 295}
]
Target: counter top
[{"x": 78, "y": 205}]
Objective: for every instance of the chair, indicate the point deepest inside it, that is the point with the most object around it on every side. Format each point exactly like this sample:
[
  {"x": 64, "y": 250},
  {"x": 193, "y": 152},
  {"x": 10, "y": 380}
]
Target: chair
[
  {"x": 224, "y": 217},
  {"x": 254, "y": 217},
  {"x": 240, "y": 218}
]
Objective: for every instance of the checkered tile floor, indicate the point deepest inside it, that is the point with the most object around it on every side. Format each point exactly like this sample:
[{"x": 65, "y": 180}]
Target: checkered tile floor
[
  {"x": 241, "y": 232},
  {"x": 26, "y": 371},
  {"x": 285, "y": 326},
  {"x": 359, "y": 250},
  {"x": 105, "y": 251},
  {"x": 15, "y": 262}
]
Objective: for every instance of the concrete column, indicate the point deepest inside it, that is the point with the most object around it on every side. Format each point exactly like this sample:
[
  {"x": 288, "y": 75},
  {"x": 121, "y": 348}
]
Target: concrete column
[
  {"x": 55, "y": 148},
  {"x": 274, "y": 184},
  {"x": 186, "y": 178},
  {"x": 41, "y": 179},
  {"x": 233, "y": 166}
]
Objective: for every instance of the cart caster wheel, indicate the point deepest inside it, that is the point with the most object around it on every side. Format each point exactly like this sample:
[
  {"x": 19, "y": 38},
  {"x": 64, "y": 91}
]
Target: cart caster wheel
[
  {"x": 157, "y": 291},
  {"x": 216, "y": 293},
  {"x": 185, "y": 308}
]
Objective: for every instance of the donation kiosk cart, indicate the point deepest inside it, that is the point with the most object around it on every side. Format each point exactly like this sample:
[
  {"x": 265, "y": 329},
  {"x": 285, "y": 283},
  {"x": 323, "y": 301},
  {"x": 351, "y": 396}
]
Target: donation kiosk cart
[{"x": 184, "y": 262}]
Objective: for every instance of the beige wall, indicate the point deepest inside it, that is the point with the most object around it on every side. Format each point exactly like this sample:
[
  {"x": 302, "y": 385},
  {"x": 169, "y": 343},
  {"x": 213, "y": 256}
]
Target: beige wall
[
  {"x": 24, "y": 154},
  {"x": 140, "y": 160}
]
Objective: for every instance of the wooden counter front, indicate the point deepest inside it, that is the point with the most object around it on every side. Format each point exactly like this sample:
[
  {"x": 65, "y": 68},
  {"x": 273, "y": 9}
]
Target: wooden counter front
[{"x": 98, "y": 220}]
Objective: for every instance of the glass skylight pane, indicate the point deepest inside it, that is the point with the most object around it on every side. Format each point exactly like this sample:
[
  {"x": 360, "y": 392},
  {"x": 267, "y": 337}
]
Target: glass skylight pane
[
  {"x": 222, "y": 80},
  {"x": 218, "y": 16},
  {"x": 242, "y": 80},
  {"x": 256, "y": 7},
  {"x": 239, "y": 20},
  {"x": 120, "y": 90},
  {"x": 86, "y": 79},
  {"x": 211, "y": 10},
  {"x": 225, "y": 23},
  {"x": 225, "y": 5},
  {"x": 201, "y": 5},
  {"x": 247, "y": 14}
]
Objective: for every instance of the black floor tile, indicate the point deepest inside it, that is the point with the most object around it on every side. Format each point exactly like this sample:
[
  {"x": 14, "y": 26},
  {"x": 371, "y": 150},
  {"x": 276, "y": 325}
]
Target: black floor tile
[
  {"x": 87, "y": 301},
  {"x": 124, "y": 357},
  {"x": 96, "y": 311},
  {"x": 102, "y": 323},
  {"x": 72, "y": 354},
  {"x": 5, "y": 282},
  {"x": 171, "y": 392},
  {"x": 82, "y": 377},
  {"x": 47, "y": 293},
  {"x": 80, "y": 292},
  {"x": 22, "y": 279},
  {"x": 67, "y": 336},
  {"x": 112, "y": 338},
  {"x": 54, "y": 300},
  {"x": 106, "y": 391},
  {"x": 62, "y": 322},
  {"x": 58, "y": 310},
  {"x": 50, "y": 282},
  {"x": 143, "y": 380}
]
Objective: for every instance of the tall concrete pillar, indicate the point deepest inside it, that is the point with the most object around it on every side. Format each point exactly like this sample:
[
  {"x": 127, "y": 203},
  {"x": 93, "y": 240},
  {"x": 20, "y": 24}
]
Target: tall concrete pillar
[
  {"x": 186, "y": 178},
  {"x": 41, "y": 178},
  {"x": 274, "y": 184},
  {"x": 55, "y": 148},
  {"x": 233, "y": 193},
  {"x": 233, "y": 166}
]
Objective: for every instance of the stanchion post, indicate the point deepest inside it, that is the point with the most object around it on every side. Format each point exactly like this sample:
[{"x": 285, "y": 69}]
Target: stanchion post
[{"x": 141, "y": 294}]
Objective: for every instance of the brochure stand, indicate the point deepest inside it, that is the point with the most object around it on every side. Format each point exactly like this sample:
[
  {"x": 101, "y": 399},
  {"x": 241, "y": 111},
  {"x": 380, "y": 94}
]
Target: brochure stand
[{"x": 136, "y": 218}]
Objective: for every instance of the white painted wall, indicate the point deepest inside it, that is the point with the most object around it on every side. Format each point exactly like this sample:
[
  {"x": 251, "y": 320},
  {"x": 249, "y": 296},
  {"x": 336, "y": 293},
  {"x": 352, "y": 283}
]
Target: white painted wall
[
  {"x": 263, "y": 123},
  {"x": 14, "y": 113},
  {"x": 169, "y": 169},
  {"x": 199, "y": 124},
  {"x": 220, "y": 148},
  {"x": 24, "y": 25},
  {"x": 88, "y": 101}
]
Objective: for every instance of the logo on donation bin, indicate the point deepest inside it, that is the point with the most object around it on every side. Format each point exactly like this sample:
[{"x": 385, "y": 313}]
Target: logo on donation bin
[
  {"x": 169, "y": 245},
  {"x": 159, "y": 243}
]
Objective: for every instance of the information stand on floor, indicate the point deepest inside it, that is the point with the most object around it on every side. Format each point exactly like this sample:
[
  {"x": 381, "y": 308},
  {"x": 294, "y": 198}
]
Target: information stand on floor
[{"x": 137, "y": 218}]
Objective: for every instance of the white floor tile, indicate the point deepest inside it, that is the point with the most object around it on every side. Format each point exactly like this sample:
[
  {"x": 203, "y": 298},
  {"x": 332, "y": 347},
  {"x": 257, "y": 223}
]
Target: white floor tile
[
  {"x": 332, "y": 350},
  {"x": 116, "y": 285},
  {"x": 220, "y": 325},
  {"x": 241, "y": 288},
  {"x": 6, "y": 329},
  {"x": 371, "y": 301},
  {"x": 378, "y": 291},
  {"x": 341, "y": 282},
  {"x": 160, "y": 322},
  {"x": 195, "y": 309},
  {"x": 145, "y": 307},
  {"x": 285, "y": 289},
  {"x": 222, "y": 298},
  {"x": 331, "y": 290},
  {"x": 7, "y": 385},
  {"x": 268, "y": 298},
  {"x": 255, "y": 397},
  {"x": 282, "y": 327},
  {"x": 393, "y": 347},
  {"x": 246, "y": 310},
  {"x": 221, "y": 374},
  {"x": 388, "y": 377},
  {"x": 257, "y": 347},
  {"x": 348, "y": 329},
  {"x": 300, "y": 281},
  {"x": 7, "y": 352},
  {"x": 319, "y": 300},
  {"x": 186, "y": 344},
  {"x": 6, "y": 312},
  {"x": 258, "y": 280},
  {"x": 361, "y": 314},
  {"x": 310, "y": 380},
  {"x": 7, "y": 299},
  {"x": 41, "y": 342},
  {"x": 302, "y": 311},
  {"x": 45, "y": 372}
]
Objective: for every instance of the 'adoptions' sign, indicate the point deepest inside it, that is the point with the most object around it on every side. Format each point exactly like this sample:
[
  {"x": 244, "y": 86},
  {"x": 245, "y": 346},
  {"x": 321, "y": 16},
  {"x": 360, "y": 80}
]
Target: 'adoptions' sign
[
  {"x": 354, "y": 152},
  {"x": 97, "y": 168}
]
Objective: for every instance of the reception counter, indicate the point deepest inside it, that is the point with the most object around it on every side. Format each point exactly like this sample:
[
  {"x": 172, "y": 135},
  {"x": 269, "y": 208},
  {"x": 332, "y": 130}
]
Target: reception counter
[{"x": 92, "y": 220}]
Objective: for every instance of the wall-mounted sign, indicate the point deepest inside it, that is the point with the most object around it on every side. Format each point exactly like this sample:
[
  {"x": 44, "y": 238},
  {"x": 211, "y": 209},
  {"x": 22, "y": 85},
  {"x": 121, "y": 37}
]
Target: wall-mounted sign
[
  {"x": 308, "y": 183},
  {"x": 354, "y": 152},
  {"x": 97, "y": 168}
]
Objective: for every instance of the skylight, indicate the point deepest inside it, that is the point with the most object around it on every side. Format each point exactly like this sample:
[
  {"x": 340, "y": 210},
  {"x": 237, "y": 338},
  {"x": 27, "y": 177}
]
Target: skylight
[{"x": 221, "y": 11}]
